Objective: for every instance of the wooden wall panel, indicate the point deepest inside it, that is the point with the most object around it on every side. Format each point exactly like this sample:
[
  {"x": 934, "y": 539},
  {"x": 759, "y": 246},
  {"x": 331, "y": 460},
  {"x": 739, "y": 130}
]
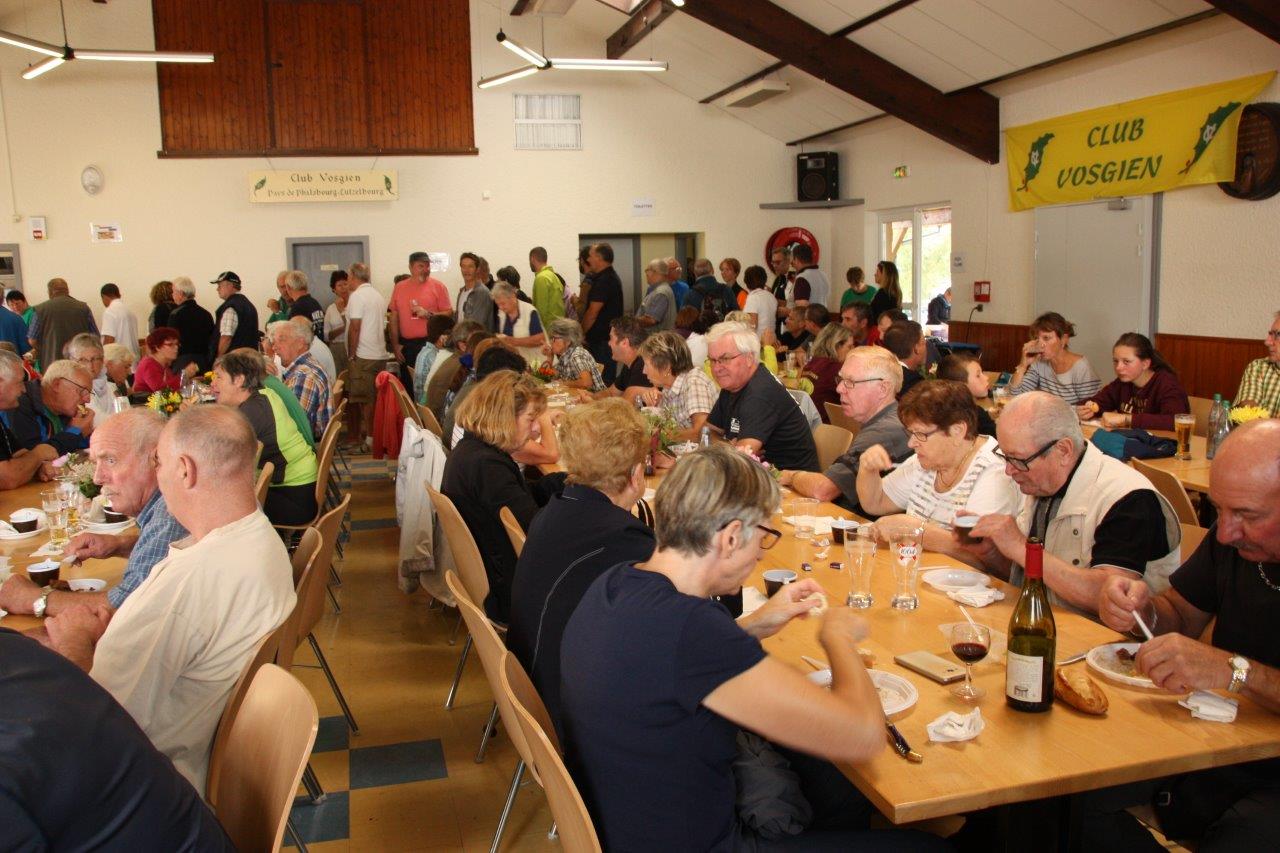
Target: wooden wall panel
[
  {"x": 218, "y": 107},
  {"x": 317, "y": 75},
  {"x": 1209, "y": 366},
  {"x": 1001, "y": 342}
]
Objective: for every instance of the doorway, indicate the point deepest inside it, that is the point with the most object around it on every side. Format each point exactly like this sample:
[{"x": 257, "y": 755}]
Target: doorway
[
  {"x": 11, "y": 270},
  {"x": 319, "y": 257},
  {"x": 918, "y": 241}
]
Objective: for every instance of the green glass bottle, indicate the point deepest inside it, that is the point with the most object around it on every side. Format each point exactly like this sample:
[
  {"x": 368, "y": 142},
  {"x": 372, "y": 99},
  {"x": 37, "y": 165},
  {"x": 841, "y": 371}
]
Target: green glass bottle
[{"x": 1032, "y": 640}]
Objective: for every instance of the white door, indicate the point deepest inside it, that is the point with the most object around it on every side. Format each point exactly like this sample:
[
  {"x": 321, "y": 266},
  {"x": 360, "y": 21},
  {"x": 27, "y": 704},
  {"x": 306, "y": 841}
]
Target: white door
[{"x": 1093, "y": 266}]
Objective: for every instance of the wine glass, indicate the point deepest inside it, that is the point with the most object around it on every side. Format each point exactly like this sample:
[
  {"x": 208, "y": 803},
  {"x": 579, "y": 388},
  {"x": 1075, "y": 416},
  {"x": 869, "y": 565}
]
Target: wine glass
[{"x": 969, "y": 642}]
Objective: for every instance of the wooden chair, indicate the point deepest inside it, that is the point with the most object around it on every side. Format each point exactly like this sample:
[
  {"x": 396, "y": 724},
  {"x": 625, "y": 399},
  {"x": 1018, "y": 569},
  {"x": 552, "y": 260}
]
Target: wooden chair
[
  {"x": 264, "y": 481},
  {"x": 1192, "y": 536},
  {"x": 573, "y": 821},
  {"x": 1200, "y": 407},
  {"x": 514, "y": 531},
  {"x": 1168, "y": 485},
  {"x": 429, "y": 421},
  {"x": 492, "y": 650},
  {"x": 270, "y": 737},
  {"x": 310, "y": 585},
  {"x": 837, "y": 417},
  {"x": 832, "y": 442}
]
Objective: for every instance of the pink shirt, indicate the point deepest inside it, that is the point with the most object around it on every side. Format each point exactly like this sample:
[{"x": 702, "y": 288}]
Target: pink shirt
[{"x": 430, "y": 294}]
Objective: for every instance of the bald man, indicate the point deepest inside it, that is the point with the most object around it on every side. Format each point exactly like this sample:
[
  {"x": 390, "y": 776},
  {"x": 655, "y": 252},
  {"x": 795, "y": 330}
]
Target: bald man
[
  {"x": 1234, "y": 576},
  {"x": 173, "y": 651}
]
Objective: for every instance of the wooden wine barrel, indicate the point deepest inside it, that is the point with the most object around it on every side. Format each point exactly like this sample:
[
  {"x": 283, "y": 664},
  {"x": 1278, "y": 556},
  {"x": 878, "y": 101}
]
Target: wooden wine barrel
[{"x": 1257, "y": 154}]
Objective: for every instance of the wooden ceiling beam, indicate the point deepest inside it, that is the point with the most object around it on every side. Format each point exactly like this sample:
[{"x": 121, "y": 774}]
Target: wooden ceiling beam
[
  {"x": 520, "y": 7},
  {"x": 1260, "y": 15},
  {"x": 643, "y": 20},
  {"x": 968, "y": 120}
]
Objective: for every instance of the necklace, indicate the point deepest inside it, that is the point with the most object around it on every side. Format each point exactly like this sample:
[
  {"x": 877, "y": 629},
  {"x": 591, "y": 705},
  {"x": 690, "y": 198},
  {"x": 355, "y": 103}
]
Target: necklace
[
  {"x": 1265, "y": 579},
  {"x": 945, "y": 484}
]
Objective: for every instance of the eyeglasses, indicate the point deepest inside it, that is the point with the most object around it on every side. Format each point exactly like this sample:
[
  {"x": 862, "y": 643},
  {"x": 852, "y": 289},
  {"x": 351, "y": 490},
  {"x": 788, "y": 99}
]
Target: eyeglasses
[
  {"x": 1025, "y": 464},
  {"x": 846, "y": 382},
  {"x": 1274, "y": 334},
  {"x": 725, "y": 359},
  {"x": 97, "y": 359},
  {"x": 768, "y": 536},
  {"x": 921, "y": 437},
  {"x": 83, "y": 390}
]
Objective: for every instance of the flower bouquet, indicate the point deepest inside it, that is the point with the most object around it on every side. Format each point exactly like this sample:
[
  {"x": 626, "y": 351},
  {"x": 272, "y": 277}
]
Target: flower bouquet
[
  {"x": 664, "y": 424},
  {"x": 166, "y": 402},
  {"x": 77, "y": 468},
  {"x": 205, "y": 378},
  {"x": 771, "y": 470},
  {"x": 1244, "y": 414},
  {"x": 543, "y": 371}
]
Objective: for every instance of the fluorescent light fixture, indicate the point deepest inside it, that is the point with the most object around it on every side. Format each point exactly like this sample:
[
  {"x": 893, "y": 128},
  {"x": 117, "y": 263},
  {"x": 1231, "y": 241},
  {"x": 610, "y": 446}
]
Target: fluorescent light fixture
[
  {"x": 530, "y": 56},
  {"x": 143, "y": 56},
  {"x": 609, "y": 64},
  {"x": 39, "y": 68},
  {"x": 507, "y": 77},
  {"x": 30, "y": 44}
]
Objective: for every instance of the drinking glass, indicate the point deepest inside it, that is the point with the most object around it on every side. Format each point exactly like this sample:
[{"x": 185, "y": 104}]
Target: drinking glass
[
  {"x": 1182, "y": 426},
  {"x": 802, "y": 516},
  {"x": 860, "y": 556},
  {"x": 67, "y": 492},
  {"x": 905, "y": 543},
  {"x": 1000, "y": 396},
  {"x": 55, "y": 509},
  {"x": 120, "y": 404},
  {"x": 970, "y": 644}
]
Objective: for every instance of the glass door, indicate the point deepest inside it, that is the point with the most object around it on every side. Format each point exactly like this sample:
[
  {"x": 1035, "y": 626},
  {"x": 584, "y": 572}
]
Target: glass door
[{"x": 918, "y": 241}]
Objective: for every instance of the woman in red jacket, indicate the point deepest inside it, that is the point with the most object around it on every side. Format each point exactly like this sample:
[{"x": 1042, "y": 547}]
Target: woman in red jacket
[{"x": 1146, "y": 393}]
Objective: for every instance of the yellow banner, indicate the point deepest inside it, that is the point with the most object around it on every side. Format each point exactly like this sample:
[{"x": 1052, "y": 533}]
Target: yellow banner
[
  {"x": 1138, "y": 147},
  {"x": 322, "y": 185}
]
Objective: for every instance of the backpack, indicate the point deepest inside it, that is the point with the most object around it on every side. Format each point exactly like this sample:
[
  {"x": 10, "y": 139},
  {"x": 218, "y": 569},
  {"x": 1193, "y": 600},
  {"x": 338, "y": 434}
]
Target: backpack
[{"x": 570, "y": 312}]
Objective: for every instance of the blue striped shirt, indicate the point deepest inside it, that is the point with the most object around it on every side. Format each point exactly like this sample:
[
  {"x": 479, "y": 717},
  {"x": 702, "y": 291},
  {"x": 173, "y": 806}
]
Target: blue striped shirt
[{"x": 158, "y": 530}]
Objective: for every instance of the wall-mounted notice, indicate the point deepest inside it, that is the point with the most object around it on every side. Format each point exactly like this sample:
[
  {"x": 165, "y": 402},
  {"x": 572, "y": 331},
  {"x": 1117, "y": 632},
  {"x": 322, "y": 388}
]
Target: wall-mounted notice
[
  {"x": 641, "y": 207},
  {"x": 105, "y": 232},
  {"x": 322, "y": 185}
]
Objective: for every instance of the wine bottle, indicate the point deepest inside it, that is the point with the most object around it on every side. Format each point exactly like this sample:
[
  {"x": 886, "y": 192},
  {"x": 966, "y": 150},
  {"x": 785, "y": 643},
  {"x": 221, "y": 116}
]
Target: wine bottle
[{"x": 1028, "y": 678}]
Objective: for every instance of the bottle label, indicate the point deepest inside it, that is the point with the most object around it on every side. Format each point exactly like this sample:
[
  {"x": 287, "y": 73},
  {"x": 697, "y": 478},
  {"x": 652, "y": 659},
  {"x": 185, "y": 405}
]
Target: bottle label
[{"x": 1023, "y": 677}]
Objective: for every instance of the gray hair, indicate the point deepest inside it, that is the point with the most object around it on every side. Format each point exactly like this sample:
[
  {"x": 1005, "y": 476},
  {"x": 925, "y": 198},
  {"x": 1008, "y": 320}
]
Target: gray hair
[
  {"x": 359, "y": 271},
  {"x": 738, "y": 317},
  {"x": 184, "y": 285},
  {"x": 706, "y": 491},
  {"x": 566, "y": 330},
  {"x": 289, "y": 329},
  {"x": 296, "y": 280},
  {"x": 831, "y": 338},
  {"x": 117, "y": 354},
  {"x": 219, "y": 439},
  {"x": 65, "y": 368},
  {"x": 667, "y": 351},
  {"x": 245, "y": 363},
  {"x": 745, "y": 339},
  {"x": 82, "y": 342},
  {"x": 659, "y": 266},
  {"x": 503, "y": 290},
  {"x": 11, "y": 365},
  {"x": 702, "y": 266},
  {"x": 878, "y": 362},
  {"x": 1048, "y": 418},
  {"x": 141, "y": 428}
]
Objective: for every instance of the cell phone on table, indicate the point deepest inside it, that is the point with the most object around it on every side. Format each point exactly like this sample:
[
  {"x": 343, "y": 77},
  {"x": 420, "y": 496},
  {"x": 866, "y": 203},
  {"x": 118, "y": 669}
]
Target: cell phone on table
[{"x": 931, "y": 666}]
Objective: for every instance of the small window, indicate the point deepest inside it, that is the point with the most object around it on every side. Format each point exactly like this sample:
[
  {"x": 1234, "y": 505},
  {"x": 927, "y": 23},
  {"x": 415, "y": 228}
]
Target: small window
[{"x": 548, "y": 122}]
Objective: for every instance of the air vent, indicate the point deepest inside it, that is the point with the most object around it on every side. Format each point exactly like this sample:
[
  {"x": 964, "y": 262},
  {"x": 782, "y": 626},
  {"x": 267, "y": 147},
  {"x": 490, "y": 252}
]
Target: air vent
[
  {"x": 548, "y": 122},
  {"x": 754, "y": 93}
]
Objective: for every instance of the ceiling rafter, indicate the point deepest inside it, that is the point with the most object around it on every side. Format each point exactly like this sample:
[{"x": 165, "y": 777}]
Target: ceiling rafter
[
  {"x": 1260, "y": 15},
  {"x": 644, "y": 20},
  {"x": 968, "y": 120},
  {"x": 520, "y": 7}
]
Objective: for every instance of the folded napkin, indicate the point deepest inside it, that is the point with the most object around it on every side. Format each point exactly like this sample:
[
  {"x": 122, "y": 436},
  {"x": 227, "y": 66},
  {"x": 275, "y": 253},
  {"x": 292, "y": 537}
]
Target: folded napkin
[
  {"x": 46, "y": 550},
  {"x": 1210, "y": 706},
  {"x": 821, "y": 523},
  {"x": 752, "y": 599},
  {"x": 952, "y": 726},
  {"x": 976, "y": 597},
  {"x": 3, "y": 613}
]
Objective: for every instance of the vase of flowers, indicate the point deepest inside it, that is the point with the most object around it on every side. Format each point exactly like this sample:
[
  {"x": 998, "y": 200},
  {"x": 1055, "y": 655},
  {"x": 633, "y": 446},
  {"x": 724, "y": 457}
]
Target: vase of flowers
[
  {"x": 78, "y": 468},
  {"x": 166, "y": 402},
  {"x": 543, "y": 371},
  {"x": 1244, "y": 414}
]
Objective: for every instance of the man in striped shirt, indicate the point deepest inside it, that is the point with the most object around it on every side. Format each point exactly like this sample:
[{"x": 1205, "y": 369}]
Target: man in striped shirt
[{"x": 1260, "y": 383}]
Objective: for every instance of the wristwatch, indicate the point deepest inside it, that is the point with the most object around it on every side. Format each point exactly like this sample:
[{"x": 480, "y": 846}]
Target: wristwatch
[
  {"x": 1239, "y": 673},
  {"x": 41, "y": 603}
]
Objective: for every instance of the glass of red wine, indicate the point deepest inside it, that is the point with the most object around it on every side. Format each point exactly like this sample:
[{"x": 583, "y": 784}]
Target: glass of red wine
[{"x": 969, "y": 642}]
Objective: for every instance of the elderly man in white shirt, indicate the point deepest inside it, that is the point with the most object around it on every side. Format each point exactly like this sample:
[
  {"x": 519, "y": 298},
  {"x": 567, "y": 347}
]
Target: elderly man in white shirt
[
  {"x": 173, "y": 651},
  {"x": 87, "y": 351}
]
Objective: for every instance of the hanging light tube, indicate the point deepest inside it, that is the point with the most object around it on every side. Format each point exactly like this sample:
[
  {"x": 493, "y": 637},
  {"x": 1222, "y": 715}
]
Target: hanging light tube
[
  {"x": 528, "y": 55},
  {"x": 143, "y": 56},
  {"x": 30, "y": 44},
  {"x": 34, "y": 71},
  {"x": 507, "y": 77},
  {"x": 608, "y": 64}
]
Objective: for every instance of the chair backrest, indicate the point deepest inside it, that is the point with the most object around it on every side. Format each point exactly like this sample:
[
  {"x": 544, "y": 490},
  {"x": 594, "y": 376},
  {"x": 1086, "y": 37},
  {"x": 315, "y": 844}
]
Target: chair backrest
[
  {"x": 264, "y": 481},
  {"x": 837, "y": 417},
  {"x": 1192, "y": 536},
  {"x": 1200, "y": 407},
  {"x": 407, "y": 407},
  {"x": 491, "y": 649},
  {"x": 304, "y": 554},
  {"x": 338, "y": 393},
  {"x": 514, "y": 531},
  {"x": 573, "y": 821},
  {"x": 335, "y": 422},
  {"x": 264, "y": 654},
  {"x": 429, "y": 421},
  {"x": 271, "y": 738},
  {"x": 466, "y": 556},
  {"x": 324, "y": 463},
  {"x": 1169, "y": 486},
  {"x": 832, "y": 441},
  {"x": 310, "y": 584}
]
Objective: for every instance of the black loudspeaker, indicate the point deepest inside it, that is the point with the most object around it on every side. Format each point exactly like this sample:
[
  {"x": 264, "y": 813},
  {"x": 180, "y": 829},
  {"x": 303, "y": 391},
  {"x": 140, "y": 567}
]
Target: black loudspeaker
[{"x": 818, "y": 176}]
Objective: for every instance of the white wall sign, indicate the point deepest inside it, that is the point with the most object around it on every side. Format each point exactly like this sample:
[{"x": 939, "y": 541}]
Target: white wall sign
[
  {"x": 39, "y": 229},
  {"x": 322, "y": 185},
  {"x": 439, "y": 261},
  {"x": 642, "y": 207},
  {"x": 105, "y": 232}
]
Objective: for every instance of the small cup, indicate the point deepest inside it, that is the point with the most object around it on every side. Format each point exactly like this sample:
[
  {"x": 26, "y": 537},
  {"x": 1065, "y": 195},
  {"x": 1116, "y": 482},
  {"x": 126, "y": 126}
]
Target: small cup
[
  {"x": 44, "y": 573},
  {"x": 963, "y": 524},
  {"x": 776, "y": 579},
  {"x": 803, "y": 512},
  {"x": 840, "y": 527},
  {"x": 110, "y": 516},
  {"x": 24, "y": 520}
]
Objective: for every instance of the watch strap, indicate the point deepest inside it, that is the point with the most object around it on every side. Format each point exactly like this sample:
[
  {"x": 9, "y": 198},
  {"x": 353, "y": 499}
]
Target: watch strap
[{"x": 42, "y": 603}]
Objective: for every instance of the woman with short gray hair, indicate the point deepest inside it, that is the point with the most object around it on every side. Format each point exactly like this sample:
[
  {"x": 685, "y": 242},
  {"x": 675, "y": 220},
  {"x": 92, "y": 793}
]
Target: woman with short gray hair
[
  {"x": 519, "y": 325},
  {"x": 679, "y": 386},
  {"x": 574, "y": 365}
]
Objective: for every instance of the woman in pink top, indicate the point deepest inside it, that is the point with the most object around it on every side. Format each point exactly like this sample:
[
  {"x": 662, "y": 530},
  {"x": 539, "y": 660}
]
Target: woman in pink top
[{"x": 153, "y": 373}]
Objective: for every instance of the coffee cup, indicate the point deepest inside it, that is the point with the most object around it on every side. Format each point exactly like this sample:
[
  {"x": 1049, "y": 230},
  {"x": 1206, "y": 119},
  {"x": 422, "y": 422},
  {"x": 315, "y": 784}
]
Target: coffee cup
[
  {"x": 776, "y": 579},
  {"x": 110, "y": 516},
  {"x": 963, "y": 524},
  {"x": 24, "y": 520},
  {"x": 44, "y": 573},
  {"x": 840, "y": 527}
]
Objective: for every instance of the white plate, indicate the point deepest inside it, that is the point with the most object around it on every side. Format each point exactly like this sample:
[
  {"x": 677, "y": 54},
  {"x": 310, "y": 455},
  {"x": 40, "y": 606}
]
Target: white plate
[
  {"x": 41, "y": 527},
  {"x": 1102, "y": 660},
  {"x": 896, "y": 693},
  {"x": 104, "y": 527},
  {"x": 87, "y": 585},
  {"x": 952, "y": 580}
]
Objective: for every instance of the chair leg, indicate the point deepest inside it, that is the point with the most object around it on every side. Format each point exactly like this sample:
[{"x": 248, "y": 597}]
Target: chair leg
[
  {"x": 309, "y": 781},
  {"x": 335, "y": 578},
  {"x": 554, "y": 832},
  {"x": 337, "y": 608},
  {"x": 488, "y": 733},
  {"x": 333, "y": 684},
  {"x": 506, "y": 808},
  {"x": 457, "y": 676},
  {"x": 293, "y": 833}
]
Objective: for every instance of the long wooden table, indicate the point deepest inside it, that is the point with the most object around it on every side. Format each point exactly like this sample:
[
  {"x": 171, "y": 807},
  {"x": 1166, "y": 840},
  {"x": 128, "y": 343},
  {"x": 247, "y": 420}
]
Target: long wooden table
[
  {"x": 19, "y": 552},
  {"x": 1193, "y": 473},
  {"x": 1019, "y": 756}
]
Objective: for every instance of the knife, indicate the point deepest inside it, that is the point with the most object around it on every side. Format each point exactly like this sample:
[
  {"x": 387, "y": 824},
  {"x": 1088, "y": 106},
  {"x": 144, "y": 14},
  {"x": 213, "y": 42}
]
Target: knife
[{"x": 900, "y": 745}]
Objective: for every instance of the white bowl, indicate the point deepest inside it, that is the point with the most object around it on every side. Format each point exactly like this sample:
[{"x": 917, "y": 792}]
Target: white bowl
[
  {"x": 955, "y": 579},
  {"x": 87, "y": 585},
  {"x": 678, "y": 450}
]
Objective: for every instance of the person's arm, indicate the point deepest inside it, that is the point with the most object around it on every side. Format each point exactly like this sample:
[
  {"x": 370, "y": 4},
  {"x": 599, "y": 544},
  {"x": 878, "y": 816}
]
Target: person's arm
[
  {"x": 529, "y": 340},
  {"x": 108, "y": 339},
  {"x": 1030, "y": 352},
  {"x": 393, "y": 327},
  {"x": 810, "y": 485},
  {"x": 75, "y": 632},
  {"x": 19, "y": 470},
  {"x": 800, "y": 296},
  {"x": 545, "y": 448},
  {"x": 871, "y": 492},
  {"x": 503, "y": 487},
  {"x": 353, "y": 337},
  {"x": 593, "y": 311}
]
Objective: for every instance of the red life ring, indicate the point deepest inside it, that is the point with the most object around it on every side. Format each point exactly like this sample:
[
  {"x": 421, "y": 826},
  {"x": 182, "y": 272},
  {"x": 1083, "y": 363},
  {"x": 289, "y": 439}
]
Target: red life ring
[{"x": 786, "y": 237}]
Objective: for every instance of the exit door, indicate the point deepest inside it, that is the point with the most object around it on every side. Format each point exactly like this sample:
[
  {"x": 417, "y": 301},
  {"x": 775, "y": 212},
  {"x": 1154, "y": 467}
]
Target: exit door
[{"x": 320, "y": 257}]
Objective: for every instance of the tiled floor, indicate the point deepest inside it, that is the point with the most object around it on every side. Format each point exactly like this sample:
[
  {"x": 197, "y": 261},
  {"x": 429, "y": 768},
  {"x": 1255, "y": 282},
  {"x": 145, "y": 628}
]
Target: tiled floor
[{"x": 408, "y": 780}]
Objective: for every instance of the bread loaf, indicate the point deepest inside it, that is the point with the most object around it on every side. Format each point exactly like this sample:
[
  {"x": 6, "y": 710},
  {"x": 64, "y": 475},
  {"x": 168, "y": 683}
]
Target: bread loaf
[{"x": 1079, "y": 691}]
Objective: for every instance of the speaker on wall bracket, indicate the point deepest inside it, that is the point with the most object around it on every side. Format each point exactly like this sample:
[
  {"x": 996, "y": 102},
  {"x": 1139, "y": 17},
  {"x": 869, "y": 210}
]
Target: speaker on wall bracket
[{"x": 818, "y": 176}]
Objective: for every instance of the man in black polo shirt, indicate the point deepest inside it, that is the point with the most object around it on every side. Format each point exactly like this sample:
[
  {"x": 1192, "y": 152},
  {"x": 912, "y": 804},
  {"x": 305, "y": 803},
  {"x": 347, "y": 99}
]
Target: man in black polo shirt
[
  {"x": 604, "y": 304},
  {"x": 626, "y": 334},
  {"x": 754, "y": 411}
]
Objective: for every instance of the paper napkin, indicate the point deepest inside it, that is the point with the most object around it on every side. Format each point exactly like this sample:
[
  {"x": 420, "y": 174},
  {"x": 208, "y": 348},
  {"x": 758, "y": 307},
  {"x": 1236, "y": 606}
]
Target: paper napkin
[
  {"x": 953, "y": 726},
  {"x": 752, "y": 599},
  {"x": 976, "y": 597},
  {"x": 1210, "y": 706}
]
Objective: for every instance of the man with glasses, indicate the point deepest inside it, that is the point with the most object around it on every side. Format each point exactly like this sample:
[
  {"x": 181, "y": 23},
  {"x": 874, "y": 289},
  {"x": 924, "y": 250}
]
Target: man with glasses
[
  {"x": 754, "y": 412},
  {"x": 55, "y": 411},
  {"x": 86, "y": 350},
  {"x": 1096, "y": 516},
  {"x": 868, "y": 386},
  {"x": 1260, "y": 383}
]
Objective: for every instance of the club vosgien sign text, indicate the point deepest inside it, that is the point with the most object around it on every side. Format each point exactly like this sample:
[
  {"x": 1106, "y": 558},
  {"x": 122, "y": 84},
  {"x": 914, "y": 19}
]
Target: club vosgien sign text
[{"x": 322, "y": 185}]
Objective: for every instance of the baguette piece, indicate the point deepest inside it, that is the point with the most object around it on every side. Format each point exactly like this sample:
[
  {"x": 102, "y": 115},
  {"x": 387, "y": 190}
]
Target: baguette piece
[{"x": 1079, "y": 691}]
